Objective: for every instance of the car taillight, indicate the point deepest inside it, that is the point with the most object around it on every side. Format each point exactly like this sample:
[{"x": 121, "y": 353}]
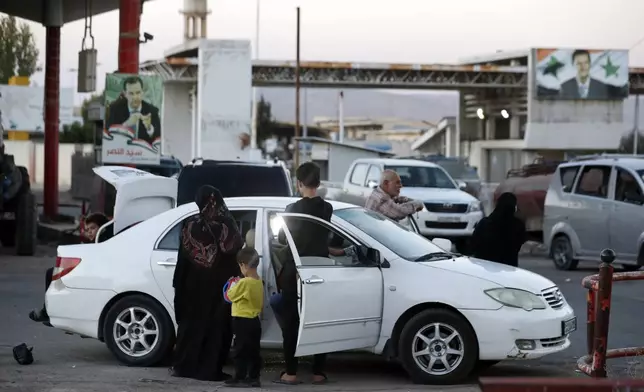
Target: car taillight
[{"x": 64, "y": 265}]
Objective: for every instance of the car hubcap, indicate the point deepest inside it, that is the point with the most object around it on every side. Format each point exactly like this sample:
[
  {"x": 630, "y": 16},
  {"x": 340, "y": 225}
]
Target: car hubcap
[
  {"x": 438, "y": 349},
  {"x": 136, "y": 331},
  {"x": 560, "y": 253}
]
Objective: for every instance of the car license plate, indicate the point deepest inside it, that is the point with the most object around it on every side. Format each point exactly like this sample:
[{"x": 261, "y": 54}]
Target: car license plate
[
  {"x": 449, "y": 219},
  {"x": 568, "y": 326}
]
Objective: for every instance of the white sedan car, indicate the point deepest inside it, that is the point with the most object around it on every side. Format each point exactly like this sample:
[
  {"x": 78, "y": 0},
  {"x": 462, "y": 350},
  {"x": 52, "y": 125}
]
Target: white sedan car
[{"x": 397, "y": 294}]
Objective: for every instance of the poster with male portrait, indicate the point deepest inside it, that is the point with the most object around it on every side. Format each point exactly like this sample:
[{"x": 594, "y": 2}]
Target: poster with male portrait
[
  {"x": 132, "y": 133},
  {"x": 581, "y": 74}
]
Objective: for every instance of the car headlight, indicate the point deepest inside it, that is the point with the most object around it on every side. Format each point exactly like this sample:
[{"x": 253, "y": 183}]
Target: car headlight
[
  {"x": 516, "y": 298},
  {"x": 475, "y": 206}
]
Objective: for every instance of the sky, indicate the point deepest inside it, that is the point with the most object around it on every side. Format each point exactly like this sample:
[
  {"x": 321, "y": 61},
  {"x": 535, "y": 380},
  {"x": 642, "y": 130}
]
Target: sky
[{"x": 401, "y": 31}]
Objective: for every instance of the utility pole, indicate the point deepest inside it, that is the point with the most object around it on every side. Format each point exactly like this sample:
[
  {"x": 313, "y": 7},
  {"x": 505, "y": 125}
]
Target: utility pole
[
  {"x": 636, "y": 131},
  {"x": 296, "y": 143},
  {"x": 254, "y": 115}
]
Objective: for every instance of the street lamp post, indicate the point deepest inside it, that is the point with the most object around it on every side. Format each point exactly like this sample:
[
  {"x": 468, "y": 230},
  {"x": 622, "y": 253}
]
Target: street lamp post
[{"x": 254, "y": 116}]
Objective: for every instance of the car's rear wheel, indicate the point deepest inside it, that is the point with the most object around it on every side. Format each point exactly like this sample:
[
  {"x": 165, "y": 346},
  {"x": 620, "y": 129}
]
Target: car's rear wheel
[
  {"x": 562, "y": 253},
  {"x": 438, "y": 346},
  {"x": 138, "y": 331}
]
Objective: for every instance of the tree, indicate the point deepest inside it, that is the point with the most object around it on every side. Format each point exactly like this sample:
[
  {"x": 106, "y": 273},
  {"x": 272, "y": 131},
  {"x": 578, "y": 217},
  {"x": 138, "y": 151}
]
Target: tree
[
  {"x": 78, "y": 133},
  {"x": 18, "y": 52},
  {"x": 626, "y": 143},
  {"x": 265, "y": 120}
]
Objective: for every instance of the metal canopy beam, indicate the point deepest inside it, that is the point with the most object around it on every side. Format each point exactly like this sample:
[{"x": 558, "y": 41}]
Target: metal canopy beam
[
  {"x": 73, "y": 10},
  {"x": 365, "y": 76}
]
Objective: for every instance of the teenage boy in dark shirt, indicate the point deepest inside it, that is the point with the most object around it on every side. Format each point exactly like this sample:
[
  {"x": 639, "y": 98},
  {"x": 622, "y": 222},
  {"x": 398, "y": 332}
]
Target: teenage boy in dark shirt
[{"x": 311, "y": 239}]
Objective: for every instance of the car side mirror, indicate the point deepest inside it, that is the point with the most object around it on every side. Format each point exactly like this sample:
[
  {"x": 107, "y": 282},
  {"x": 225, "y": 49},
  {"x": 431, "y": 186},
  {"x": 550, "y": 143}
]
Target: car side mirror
[
  {"x": 369, "y": 255},
  {"x": 461, "y": 185},
  {"x": 372, "y": 184}
]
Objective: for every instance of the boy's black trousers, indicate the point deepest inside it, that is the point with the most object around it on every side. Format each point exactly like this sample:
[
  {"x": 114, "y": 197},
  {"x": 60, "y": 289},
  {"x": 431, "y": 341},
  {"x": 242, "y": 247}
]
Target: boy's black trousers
[{"x": 246, "y": 347}]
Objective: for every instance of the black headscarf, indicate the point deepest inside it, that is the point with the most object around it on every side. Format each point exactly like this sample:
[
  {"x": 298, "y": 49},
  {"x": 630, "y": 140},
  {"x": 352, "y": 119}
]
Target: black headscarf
[
  {"x": 506, "y": 206},
  {"x": 212, "y": 231},
  {"x": 499, "y": 237}
]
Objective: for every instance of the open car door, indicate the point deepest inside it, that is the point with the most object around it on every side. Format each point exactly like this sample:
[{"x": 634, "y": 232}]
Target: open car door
[
  {"x": 139, "y": 194},
  {"x": 340, "y": 304}
]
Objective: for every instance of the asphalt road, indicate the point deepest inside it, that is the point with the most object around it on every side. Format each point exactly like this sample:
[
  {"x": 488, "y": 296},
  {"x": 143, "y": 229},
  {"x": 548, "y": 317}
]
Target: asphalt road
[{"x": 69, "y": 363}]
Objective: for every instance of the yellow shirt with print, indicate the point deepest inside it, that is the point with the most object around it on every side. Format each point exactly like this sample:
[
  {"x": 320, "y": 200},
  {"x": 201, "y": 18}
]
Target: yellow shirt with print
[{"x": 247, "y": 297}]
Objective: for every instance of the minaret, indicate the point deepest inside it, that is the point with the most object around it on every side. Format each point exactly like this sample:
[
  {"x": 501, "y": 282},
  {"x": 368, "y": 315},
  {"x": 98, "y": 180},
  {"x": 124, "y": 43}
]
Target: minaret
[{"x": 195, "y": 13}]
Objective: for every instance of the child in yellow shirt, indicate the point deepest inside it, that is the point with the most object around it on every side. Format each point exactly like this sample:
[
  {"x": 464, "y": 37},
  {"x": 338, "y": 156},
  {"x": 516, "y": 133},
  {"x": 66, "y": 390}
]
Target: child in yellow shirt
[{"x": 247, "y": 297}]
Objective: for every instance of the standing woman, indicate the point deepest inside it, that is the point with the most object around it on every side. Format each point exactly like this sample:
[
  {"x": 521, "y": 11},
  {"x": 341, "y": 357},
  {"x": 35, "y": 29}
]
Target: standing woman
[
  {"x": 209, "y": 242},
  {"x": 499, "y": 237}
]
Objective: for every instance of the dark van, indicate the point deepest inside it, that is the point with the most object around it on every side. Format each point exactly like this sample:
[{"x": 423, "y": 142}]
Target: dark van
[{"x": 234, "y": 179}]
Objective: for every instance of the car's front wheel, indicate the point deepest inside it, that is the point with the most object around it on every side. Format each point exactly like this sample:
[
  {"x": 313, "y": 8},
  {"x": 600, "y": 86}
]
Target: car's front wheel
[
  {"x": 438, "y": 346},
  {"x": 563, "y": 254},
  {"x": 138, "y": 331}
]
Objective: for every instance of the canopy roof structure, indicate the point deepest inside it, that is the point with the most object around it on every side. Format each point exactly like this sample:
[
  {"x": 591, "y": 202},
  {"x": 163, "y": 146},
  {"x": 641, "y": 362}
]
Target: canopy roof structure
[{"x": 73, "y": 10}]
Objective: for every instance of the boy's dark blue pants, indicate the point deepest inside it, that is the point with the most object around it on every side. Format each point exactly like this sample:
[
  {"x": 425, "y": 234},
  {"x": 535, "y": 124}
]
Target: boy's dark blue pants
[{"x": 246, "y": 347}]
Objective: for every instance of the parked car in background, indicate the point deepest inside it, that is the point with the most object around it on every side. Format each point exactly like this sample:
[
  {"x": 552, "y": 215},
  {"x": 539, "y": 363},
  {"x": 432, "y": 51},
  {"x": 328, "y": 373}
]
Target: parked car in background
[
  {"x": 449, "y": 211},
  {"x": 473, "y": 312},
  {"x": 529, "y": 184},
  {"x": 234, "y": 178},
  {"x": 594, "y": 203},
  {"x": 457, "y": 167}
]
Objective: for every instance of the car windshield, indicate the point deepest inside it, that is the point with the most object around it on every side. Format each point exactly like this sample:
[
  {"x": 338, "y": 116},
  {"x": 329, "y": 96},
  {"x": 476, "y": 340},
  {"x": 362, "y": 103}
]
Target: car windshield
[
  {"x": 423, "y": 177},
  {"x": 459, "y": 170},
  {"x": 400, "y": 240}
]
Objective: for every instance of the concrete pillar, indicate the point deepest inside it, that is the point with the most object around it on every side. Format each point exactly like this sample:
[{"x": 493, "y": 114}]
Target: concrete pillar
[
  {"x": 53, "y": 21},
  {"x": 491, "y": 128},
  {"x": 448, "y": 141},
  {"x": 129, "y": 17},
  {"x": 515, "y": 127}
]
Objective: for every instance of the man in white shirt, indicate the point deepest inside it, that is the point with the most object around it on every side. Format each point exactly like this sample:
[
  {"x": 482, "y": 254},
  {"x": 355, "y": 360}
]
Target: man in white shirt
[{"x": 582, "y": 86}]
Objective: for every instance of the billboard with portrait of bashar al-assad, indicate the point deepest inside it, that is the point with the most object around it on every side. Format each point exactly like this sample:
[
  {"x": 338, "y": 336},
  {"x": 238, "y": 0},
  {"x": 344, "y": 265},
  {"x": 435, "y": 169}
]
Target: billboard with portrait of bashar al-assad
[
  {"x": 132, "y": 131},
  {"x": 581, "y": 74}
]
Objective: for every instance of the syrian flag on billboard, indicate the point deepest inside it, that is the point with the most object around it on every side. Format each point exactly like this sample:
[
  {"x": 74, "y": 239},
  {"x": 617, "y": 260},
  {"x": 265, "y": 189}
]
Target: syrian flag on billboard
[
  {"x": 582, "y": 73},
  {"x": 131, "y": 140}
]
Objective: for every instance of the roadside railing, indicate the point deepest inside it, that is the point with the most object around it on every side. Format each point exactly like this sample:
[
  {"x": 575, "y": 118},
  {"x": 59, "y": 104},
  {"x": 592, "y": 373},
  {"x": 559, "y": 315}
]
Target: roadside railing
[{"x": 600, "y": 288}]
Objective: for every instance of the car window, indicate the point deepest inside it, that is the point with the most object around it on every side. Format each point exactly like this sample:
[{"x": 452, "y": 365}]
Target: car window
[
  {"x": 233, "y": 181},
  {"x": 246, "y": 220},
  {"x": 338, "y": 249},
  {"x": 627, "y": 190},
  {"x": 400, "y": 240},
  {"x": 567, "y": 176},
  {"x": 373, "y": 174},
  {"x": 359, "y": 174},
  {"x": 423, "y": 177},
  {"x": 594, "y": 181}
]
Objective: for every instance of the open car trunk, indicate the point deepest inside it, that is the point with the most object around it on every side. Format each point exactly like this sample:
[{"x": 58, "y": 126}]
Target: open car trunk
[{"x": 139, "y": 194}]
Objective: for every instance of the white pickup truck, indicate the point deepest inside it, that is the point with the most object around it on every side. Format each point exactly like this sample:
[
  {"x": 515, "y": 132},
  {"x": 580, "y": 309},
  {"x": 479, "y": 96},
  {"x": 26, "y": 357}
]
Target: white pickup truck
[{"x": 449, "y": 211}]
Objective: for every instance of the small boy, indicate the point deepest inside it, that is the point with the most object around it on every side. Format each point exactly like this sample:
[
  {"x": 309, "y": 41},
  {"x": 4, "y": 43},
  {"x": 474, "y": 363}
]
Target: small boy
[{"x": 247, "y": 297}]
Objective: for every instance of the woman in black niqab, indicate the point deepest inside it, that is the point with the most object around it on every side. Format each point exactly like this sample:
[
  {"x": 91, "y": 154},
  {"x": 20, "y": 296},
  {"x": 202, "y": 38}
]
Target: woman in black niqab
[
  {"x": 499, "y": 237},
  {"x": 209, "y": 243}
]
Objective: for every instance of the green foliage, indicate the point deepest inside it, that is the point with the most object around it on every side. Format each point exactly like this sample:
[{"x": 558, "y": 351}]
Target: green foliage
[
  {"x": 265, "y": 120},
  {"x": 18, "y": 52},
  {"x": 626, "y": 143},
  {"x": 77, "y": 133}
]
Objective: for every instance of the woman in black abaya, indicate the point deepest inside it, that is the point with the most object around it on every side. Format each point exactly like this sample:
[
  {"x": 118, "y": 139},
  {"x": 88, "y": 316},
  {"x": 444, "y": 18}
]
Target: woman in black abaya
[
  {"x": 209, "y": 243},
  {"x": 499, "y": 237}
]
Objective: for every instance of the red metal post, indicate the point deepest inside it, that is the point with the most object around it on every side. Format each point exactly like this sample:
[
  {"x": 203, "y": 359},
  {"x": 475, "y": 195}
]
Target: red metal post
[
  {"x": 598, "y": 368},
  {"x": 51, "y": 106},
  {"x": 129, "y": 17},
  {"x": 591, "y": 300}
]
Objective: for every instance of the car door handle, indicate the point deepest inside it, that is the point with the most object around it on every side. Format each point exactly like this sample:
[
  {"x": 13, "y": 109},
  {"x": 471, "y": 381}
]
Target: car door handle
[
  {"x": 168, "y": 263},
  {"x": 314, "y": 280}
]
